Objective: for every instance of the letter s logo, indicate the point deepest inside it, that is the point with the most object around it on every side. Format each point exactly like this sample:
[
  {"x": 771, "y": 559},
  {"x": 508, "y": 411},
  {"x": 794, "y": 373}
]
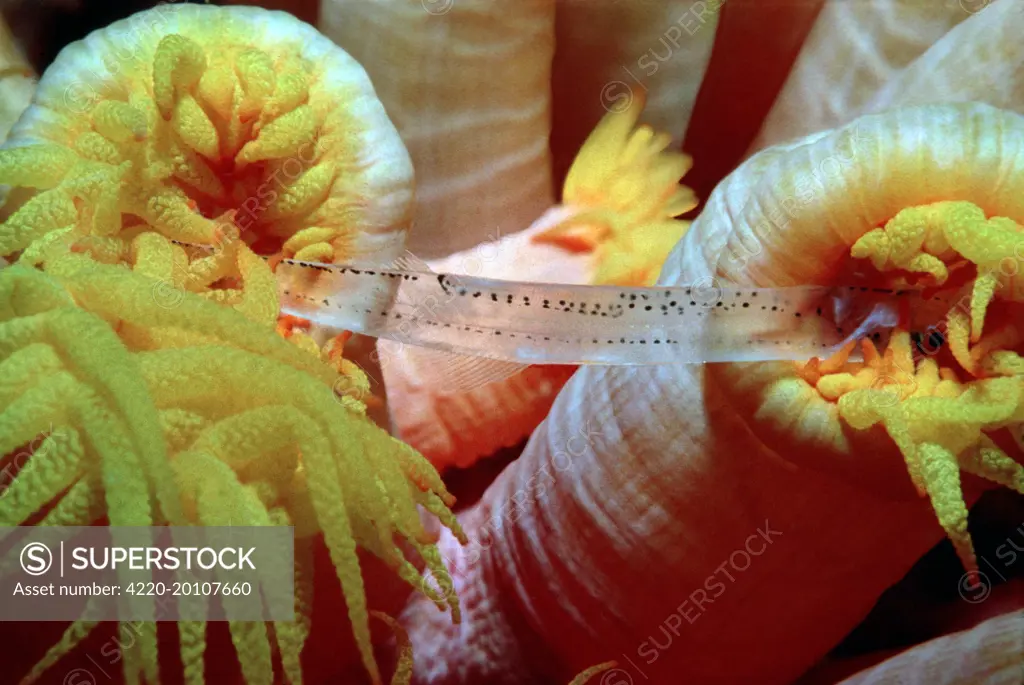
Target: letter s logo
[{"x": 36, "y": 559}]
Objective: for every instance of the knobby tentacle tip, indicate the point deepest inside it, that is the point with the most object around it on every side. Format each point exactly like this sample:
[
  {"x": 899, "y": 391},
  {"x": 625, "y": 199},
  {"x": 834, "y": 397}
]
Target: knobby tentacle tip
[{"x": 585, "y": 677}]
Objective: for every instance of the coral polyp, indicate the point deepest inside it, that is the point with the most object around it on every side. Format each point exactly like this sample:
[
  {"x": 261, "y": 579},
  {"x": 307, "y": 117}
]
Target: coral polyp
[
  {"x": 621, "y": 199},
  {"x": 953, "y": 402},
  {"x": 176, "y": 395},
  {"x": 949, "y": 412},
  {"x": 188, "y": 120}
]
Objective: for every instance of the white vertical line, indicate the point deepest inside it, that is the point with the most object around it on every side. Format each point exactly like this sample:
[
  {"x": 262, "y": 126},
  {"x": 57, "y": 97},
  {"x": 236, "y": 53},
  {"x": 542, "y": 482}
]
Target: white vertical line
[
  {"x": 631, "y": 663},
  {"x": 1001, "y": 576},
  {"x": 633, "y": 76},
  {"x": 94, "y": 663}
]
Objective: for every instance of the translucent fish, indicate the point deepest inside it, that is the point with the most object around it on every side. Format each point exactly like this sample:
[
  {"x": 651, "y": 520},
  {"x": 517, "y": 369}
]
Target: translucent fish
[{"x": 540, "y": 323}]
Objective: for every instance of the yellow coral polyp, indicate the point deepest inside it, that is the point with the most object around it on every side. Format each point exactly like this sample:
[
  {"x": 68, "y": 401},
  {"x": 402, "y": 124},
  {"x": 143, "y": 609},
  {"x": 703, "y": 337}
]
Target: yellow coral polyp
[
  {"x": 228, "y": 405},
  {"x": 942, "y": 423},
  {"x": 214, "y": 121},
  {"x": 624, "y": 186},
  {"x": 156, "y": 375}
]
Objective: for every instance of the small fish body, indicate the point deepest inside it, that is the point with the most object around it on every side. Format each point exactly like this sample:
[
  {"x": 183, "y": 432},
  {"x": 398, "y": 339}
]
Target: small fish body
[{"x": 542, "y": 323}]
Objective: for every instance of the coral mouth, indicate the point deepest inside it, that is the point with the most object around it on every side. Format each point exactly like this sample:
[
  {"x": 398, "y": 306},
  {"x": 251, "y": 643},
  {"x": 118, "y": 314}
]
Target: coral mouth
[
  {"x": 255, "y": 146},
  {"x": 949, "y": 395},
  {"x": 223, "y": 139},
  {"x": 200, "y": 132}
]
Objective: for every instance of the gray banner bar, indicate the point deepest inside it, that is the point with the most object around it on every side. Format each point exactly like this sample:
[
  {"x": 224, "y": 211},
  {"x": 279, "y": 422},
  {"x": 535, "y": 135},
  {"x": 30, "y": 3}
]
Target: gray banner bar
[{"x": 147, "y": 574}]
